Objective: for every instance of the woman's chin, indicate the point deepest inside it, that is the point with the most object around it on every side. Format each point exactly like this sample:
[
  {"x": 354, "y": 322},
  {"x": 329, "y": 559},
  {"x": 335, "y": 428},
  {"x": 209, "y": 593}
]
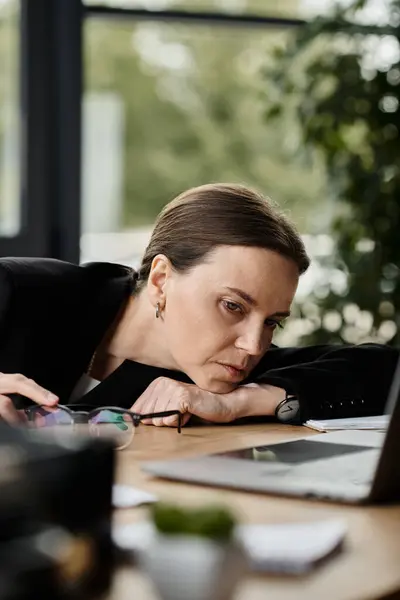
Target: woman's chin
[{"x": 218, "y": 387}]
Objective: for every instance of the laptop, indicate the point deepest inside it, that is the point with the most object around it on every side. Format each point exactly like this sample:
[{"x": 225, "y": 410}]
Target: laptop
[{"x": 345, "y": 466}]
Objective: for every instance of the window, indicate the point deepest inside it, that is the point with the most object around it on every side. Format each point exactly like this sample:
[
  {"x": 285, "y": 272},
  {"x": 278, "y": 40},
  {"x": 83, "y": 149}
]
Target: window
[
  {"x": 9, "y": 119},
  {"x": 170, "y": 106}
]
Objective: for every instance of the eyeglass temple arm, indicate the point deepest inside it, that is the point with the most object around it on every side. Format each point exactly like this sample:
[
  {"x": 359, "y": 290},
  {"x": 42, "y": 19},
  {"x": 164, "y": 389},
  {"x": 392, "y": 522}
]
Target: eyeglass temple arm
[{"x": 165, "y": 413}]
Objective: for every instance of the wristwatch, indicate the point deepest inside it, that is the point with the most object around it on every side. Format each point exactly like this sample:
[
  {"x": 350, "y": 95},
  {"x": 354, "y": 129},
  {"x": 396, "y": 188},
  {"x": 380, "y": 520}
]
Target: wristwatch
[{"x": 288, "y": 411}]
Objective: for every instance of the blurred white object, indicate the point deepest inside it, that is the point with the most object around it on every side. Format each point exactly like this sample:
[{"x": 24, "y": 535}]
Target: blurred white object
[
  {"x": 195, "y": 567},
  {"x": 126, "y": 496},
  {"x": 291, "y": 548}
]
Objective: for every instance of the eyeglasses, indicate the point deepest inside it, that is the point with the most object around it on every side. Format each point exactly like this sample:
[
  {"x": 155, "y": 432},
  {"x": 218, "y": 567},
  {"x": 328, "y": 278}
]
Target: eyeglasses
[{"x": 106, "y": 421}]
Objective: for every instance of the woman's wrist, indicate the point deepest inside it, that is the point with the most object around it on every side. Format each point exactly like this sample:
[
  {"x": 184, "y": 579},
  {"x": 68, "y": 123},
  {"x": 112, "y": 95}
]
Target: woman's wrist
[{"x": 255, "y": 400}]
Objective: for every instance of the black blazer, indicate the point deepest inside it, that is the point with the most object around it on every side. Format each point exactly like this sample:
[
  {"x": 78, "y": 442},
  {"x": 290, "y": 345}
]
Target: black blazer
[{"x": 54, "y": 314}]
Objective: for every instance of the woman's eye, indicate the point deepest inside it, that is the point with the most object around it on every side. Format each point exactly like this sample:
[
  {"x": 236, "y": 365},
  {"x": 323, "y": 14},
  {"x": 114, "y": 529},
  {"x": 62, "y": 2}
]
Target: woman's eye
[
  {"x": 232, "y": 306},
  {"x": 272, "y": 324}
]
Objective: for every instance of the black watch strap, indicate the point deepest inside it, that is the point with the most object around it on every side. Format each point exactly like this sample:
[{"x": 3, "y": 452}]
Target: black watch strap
[{"x": 288, "y": 410}]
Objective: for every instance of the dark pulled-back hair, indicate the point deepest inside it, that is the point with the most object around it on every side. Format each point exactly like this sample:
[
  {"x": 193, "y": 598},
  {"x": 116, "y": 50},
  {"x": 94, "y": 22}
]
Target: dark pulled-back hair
[{"x": 203, "y": 218}]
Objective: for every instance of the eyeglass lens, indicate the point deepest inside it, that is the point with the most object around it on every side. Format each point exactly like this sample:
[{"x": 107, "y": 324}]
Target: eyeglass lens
[
  {"x": 113, "y": 425},
  {"x": 106, "y": 423}
]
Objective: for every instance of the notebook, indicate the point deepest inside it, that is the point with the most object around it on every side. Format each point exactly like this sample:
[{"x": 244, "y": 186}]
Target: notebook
[{"x": 378, "y": 422}]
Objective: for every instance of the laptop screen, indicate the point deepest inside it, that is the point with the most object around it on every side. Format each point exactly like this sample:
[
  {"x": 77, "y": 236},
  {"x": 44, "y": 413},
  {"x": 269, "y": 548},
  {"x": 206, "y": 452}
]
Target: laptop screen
[{"x": 298, "y": 451}]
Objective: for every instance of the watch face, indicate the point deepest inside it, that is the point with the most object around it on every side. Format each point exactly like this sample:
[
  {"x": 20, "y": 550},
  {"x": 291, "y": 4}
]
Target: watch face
[{"x": 288, "y": 411}]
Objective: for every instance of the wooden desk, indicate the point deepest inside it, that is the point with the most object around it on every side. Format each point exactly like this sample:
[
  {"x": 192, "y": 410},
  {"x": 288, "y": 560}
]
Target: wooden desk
[{"x": 369, "y": 567}]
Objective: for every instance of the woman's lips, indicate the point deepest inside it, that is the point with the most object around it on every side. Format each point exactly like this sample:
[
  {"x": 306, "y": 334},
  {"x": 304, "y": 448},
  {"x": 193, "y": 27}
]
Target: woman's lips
[{"x": 234, "y": 373}]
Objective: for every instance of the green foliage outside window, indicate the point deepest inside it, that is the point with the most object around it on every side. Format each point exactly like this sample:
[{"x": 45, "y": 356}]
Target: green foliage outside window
[{"x": 341, "y": 77}]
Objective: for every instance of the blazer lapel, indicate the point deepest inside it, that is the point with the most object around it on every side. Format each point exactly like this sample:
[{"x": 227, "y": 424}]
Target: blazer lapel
[{"x": 109, "y": 286}]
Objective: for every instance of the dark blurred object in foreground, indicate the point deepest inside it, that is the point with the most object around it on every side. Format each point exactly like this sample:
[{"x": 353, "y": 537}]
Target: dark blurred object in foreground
[{"x": 55, "y": 517}]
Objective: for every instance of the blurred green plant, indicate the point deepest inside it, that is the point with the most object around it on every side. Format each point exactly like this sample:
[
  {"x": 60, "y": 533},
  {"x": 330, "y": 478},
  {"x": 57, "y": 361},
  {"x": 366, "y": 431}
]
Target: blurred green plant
[
  {"x": 213, "y": 522},
  {"x": 340, "y": 76}
]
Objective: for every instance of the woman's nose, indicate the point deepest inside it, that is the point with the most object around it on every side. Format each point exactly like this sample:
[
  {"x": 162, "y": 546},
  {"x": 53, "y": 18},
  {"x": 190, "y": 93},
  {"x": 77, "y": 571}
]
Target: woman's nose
[{"x": 252, "y": 342}]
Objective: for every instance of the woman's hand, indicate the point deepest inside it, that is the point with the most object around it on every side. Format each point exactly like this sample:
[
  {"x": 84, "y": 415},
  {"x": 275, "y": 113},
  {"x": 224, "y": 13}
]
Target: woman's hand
[
  {"x": 18, "y": 384},
  {"x": 167, "y": 394}
]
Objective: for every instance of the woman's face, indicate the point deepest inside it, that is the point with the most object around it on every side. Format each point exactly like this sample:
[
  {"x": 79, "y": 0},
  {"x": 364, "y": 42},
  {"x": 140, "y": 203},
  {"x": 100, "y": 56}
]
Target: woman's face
[{"x": 219, "y": 319}]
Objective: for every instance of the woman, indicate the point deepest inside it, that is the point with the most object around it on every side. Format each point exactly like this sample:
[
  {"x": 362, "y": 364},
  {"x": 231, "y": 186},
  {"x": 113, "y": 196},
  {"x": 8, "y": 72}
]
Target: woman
[{"x": 192, "y": 330}]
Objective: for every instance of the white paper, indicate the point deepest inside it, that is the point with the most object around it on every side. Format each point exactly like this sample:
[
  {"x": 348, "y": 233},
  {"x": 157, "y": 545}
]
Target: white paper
[
  {"x": 281, "y": 548},
  {"x": 290, "y": 548},
  {"x": 377, "y": 422},
  {"x": 126, "y": 496},
  {"x": 134, "y": 537}
]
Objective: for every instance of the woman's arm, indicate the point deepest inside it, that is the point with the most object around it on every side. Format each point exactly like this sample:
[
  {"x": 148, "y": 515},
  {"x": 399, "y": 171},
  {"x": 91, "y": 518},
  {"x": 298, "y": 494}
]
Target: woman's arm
[{"x": 331, "y": 381}]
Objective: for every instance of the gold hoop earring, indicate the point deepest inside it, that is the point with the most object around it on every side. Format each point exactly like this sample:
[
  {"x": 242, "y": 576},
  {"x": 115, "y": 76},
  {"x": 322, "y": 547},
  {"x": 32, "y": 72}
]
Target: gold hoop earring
[{"x": 158, "y": 310}]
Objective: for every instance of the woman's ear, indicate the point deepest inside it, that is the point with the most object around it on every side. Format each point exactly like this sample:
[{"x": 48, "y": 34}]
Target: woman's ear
[{"x": 160, "y": 272}]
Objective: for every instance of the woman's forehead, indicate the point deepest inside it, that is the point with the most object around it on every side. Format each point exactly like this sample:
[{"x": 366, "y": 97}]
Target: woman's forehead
[
  {"x": 248, "y": 261},
  {"x": 257, "y": 272}
]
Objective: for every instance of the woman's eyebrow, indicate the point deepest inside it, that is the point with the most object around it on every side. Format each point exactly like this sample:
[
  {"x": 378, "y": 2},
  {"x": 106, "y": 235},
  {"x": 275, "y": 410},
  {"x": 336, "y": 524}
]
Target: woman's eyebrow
[
  {"x": 250, "y": 300},
  {"x": 246, "y": 297}
]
